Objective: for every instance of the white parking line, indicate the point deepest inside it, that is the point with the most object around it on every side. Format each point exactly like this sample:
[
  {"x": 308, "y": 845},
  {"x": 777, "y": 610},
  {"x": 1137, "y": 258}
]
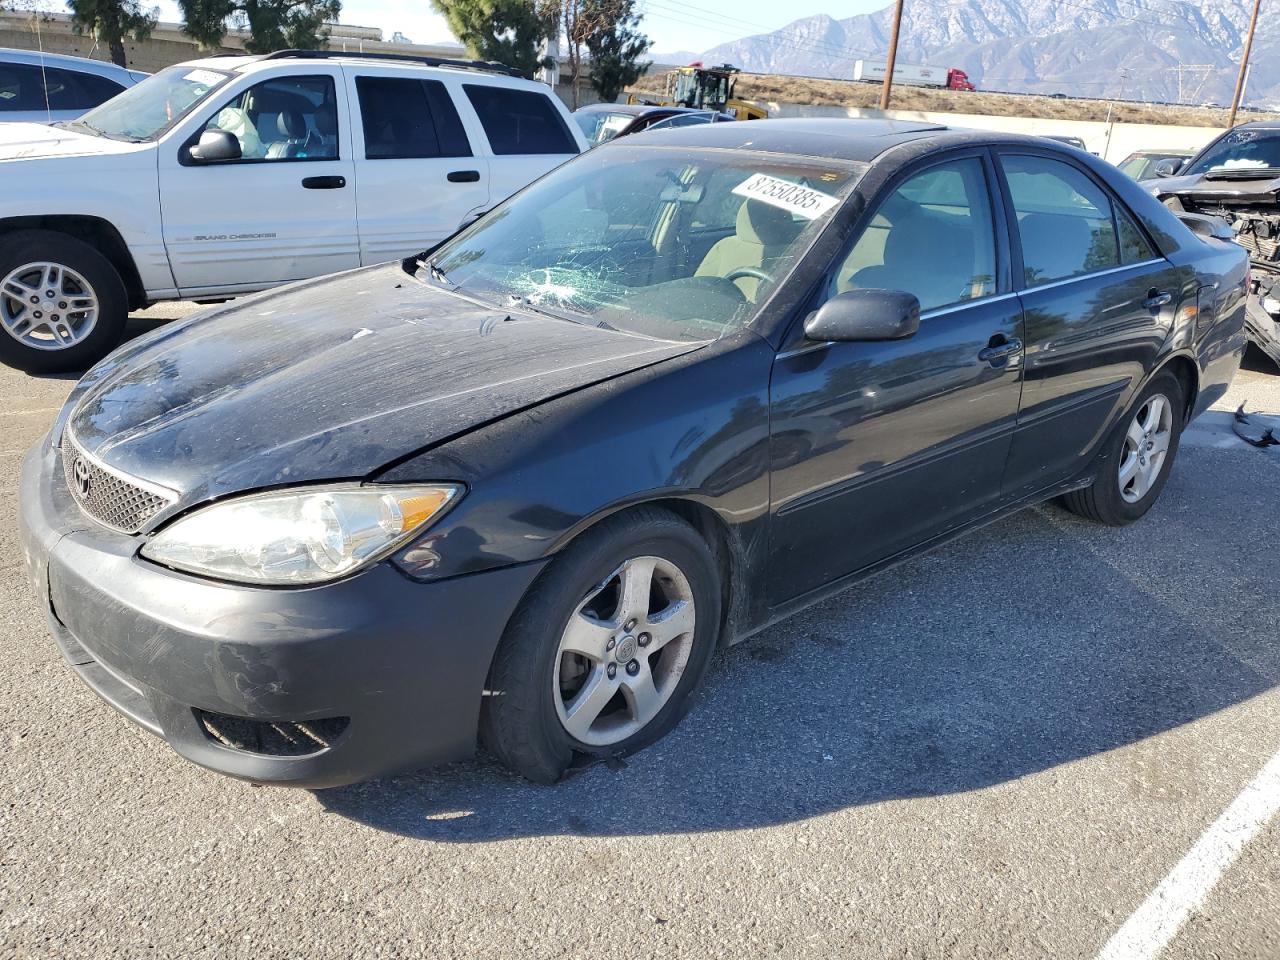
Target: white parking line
[{"x": 1154, "y": 924}]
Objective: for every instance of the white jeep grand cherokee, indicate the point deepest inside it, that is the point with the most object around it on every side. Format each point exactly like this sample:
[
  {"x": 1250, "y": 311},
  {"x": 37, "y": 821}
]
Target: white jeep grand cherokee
[{"x": 232, "y": 174}]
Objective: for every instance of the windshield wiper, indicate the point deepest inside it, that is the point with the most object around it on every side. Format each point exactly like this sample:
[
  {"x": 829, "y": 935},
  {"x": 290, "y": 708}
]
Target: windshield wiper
[
  {"x": 438, "y": 275},
  {"x": 73, "y": 124},
  {"x": 523, "y": 303}
]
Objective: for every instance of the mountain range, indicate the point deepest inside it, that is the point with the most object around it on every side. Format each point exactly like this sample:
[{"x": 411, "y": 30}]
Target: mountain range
[{"x": 1156, "y": 50}]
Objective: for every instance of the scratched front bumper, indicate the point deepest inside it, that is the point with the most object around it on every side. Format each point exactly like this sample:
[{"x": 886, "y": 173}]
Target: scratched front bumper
[{"x": 406, "y": 661}]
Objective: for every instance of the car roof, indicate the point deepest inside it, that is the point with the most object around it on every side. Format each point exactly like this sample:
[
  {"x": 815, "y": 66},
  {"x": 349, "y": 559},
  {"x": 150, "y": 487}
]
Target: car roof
[
  {"x": 1258, "y": 125},
  {"x": 830, "y": 138},
  {"x": 845, "y": 138},
  {"x": 100, "y": 68},
  {"x": 253, "y": 64}
]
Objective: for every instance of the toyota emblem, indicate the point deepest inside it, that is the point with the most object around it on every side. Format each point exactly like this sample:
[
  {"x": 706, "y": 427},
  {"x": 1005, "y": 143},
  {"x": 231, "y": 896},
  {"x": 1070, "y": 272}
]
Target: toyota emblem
[{"x": 83, "y": 481}]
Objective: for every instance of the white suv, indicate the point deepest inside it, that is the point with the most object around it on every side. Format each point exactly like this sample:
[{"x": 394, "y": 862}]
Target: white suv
[{"x": 233, "y": 174}]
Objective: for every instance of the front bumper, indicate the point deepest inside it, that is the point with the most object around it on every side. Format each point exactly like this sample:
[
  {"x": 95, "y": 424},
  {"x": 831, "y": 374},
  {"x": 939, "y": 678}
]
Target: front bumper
[{"x": 404, "y": 661}]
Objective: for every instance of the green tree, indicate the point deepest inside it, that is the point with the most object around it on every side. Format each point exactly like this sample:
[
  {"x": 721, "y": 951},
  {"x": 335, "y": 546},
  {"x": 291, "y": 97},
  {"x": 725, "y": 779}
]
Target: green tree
[
  {"x": 616, "y": 46},
  {"x": 110, "y": 21},
  {"x": 508, "y": 31},
  {"x": 272, "y": 24}
]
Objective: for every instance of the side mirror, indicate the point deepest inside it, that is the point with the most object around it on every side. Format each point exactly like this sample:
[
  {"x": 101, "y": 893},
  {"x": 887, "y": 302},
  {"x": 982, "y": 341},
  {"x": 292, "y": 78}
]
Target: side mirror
[
  {"x": 1169, "y": 167},
  {"x": 215, "y": 146},
  {"x": 865, "y": 315}
]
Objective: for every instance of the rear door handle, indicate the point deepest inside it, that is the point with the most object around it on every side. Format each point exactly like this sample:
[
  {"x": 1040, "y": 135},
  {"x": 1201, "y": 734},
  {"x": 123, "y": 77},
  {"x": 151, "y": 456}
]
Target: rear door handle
[
  {"x": 1157, "y": 299},
  {"x": 324, "y": 183},
  {"x": 464, "y": 176},
  {"x": 999, "y": 350}
]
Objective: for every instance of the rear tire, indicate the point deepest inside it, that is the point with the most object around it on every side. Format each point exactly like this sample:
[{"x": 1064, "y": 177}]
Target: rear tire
[
  {"x": 63, "y": 305},
  {"x": 548, "y": 703},
  {"x": 1128, "y": 481}
]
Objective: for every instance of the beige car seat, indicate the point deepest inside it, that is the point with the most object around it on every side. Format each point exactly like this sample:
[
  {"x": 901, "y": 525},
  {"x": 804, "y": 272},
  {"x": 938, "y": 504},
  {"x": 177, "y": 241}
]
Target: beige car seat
[{"x": 762, "y": 234}]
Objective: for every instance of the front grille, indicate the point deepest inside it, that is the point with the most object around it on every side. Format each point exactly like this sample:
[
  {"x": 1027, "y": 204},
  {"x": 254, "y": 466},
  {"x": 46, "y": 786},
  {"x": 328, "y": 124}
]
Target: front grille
[
  {"x": 110, "y": 498},
  {"x": 275, "y": 738}
]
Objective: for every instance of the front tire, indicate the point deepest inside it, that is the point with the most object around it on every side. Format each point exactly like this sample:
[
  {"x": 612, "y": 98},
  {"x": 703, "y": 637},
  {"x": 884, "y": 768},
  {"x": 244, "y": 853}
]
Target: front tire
[
  {"x": 1134, "y": 463},
  {"x": 606, "y": 649},
  {"x": 63, "y": 304}
]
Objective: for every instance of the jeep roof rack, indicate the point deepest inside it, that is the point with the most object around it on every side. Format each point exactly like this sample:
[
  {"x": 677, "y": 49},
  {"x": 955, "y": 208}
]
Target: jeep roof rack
[{"x": 483, "y": 66}]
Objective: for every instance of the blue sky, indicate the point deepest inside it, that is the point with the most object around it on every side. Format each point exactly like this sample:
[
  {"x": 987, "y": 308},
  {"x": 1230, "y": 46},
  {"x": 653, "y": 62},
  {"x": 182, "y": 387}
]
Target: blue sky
[{"x": 672, "y": 24}]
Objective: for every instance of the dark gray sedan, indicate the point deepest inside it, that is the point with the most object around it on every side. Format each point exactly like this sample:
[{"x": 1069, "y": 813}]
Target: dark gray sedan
[{"x": 521, "y": 488}]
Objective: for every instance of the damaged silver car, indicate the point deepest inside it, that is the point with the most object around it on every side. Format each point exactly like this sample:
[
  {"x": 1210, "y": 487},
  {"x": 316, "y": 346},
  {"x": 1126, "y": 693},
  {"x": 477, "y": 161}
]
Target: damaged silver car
[{"x": 1237, "y": 178}]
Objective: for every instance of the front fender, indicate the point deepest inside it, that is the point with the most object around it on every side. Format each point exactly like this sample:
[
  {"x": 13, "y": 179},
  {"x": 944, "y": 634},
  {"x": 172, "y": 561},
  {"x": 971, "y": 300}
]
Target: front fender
[
  {"x": 45, "y": 189},
  {"x": 694, "y": 428}
]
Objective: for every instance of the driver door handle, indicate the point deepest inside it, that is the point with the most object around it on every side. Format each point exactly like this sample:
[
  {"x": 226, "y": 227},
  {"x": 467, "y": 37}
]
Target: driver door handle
[
  {"x": 324, "y": 183},
  {"x": 1157, "y": 299},
  {"x": 464, "y": 176}
]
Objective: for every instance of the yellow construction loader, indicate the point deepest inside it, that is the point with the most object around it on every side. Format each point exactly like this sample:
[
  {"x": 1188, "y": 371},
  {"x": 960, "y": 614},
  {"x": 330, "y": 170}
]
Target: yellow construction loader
[{"x": 704, "y": 88}]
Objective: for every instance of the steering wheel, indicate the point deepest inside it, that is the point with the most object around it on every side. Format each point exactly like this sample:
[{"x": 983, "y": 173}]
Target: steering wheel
[{"x": 753, "y": 272}]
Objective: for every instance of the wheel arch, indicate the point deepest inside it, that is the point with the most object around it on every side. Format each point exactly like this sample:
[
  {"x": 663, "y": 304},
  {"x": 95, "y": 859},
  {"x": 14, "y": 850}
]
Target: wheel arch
[
  {"x": 726, "y": 548},
  {"x": 1185, "y": 369},
  {"x": 98, "y": 232}
]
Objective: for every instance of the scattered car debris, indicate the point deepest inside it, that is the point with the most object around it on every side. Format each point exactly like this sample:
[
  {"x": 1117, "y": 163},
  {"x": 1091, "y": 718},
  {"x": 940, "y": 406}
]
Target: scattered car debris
[{"x": 1252, "y": 430}]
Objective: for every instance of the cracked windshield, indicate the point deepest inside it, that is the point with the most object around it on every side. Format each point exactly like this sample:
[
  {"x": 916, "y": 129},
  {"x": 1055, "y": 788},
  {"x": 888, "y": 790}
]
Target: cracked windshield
[{"x": 672, "y": 243}]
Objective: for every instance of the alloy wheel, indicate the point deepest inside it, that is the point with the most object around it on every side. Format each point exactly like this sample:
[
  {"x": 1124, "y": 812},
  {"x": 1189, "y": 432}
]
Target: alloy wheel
[
  {"x": 1146, "y": 445},
  {"x": 623, "y": 651},
  {"x": 47, "y": 306}
]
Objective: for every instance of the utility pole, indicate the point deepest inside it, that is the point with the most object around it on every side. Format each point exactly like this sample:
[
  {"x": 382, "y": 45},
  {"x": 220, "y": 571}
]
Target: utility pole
[
  {"x": 893, "y": 55},
  {"x": 1244, "y": 64}
]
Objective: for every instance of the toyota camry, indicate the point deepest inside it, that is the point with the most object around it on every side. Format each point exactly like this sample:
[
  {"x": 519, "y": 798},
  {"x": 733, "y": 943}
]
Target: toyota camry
[{"x": 518, "y": 490}]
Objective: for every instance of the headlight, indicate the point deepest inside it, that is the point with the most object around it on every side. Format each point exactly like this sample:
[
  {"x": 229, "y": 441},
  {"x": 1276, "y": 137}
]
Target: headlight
[{"x": 298, "y": 536}]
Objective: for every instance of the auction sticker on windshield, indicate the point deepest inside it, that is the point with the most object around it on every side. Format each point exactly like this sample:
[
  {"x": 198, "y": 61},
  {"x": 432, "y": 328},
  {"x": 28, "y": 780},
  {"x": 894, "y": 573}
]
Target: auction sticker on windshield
[
  {"x": 207, "y": 77},
  {"x": 801, "y": 200}
]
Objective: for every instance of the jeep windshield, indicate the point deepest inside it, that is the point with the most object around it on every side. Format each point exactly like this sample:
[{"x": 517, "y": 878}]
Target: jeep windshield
[
  {"x": 1240, "y": 154},
  {"x": 147, "y": 110},
  {"x": 670, "y": 242}
]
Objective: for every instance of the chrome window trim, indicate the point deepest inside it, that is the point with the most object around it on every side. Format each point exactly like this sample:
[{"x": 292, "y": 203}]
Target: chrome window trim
[{"x": 1094, "y": 273}]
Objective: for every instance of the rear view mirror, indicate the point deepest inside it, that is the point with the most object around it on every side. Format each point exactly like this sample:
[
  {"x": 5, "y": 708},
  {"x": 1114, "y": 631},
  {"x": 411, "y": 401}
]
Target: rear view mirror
[
  {"x": 682, "y": 193},
  {"x": 865, "y": 315},
  {"x": 1168, "y": 167},
  {"x": 216, "y": 146}
]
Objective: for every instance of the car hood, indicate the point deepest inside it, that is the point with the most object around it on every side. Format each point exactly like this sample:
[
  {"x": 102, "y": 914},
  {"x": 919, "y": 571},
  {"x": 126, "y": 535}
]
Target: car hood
[
  {"x": 30, "y": 141},
  {"x": 1263, "y": 188},
  {"x": 331, "y": 379}
]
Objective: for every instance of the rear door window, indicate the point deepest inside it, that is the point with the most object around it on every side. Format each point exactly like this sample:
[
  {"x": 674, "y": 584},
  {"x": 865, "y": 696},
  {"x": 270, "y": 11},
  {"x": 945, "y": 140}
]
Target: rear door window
[
  {"x": 409, "y": 119},
  {"x": 520, "y": 121},
  {"x": 1065, "y": 220}
]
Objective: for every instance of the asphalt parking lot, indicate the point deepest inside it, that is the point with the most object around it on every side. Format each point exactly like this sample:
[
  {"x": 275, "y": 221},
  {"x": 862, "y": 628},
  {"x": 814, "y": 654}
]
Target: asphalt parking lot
[{"x": 1001, "y": 749}]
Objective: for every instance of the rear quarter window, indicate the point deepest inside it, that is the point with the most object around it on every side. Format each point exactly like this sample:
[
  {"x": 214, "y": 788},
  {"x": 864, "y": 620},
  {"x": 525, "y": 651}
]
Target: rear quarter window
[
  {"x": 520, "y": 121},
  {"x": 18, "y": 84}
]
